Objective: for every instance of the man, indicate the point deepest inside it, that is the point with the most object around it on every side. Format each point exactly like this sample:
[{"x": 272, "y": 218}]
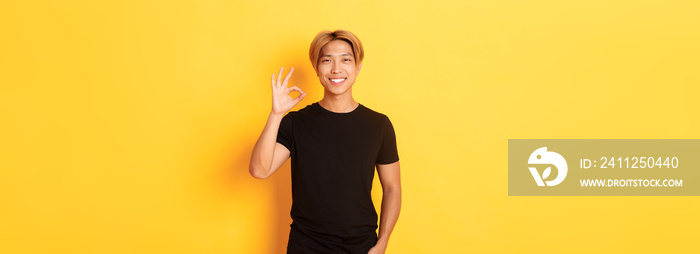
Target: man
[{"x": 335, "y": 145}]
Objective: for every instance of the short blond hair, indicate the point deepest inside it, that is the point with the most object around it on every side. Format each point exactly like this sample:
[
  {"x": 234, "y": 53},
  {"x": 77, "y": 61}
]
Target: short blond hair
[{"x": 326, "y": 36}]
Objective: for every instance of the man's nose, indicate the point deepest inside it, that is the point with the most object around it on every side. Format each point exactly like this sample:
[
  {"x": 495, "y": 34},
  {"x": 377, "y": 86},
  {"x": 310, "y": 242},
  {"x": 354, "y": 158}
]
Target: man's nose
[{"x": 335, "y": 68}]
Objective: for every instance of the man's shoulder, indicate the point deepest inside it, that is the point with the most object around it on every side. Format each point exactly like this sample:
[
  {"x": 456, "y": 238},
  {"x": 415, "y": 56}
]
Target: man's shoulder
[
  {"x": 373, "y": 113},
  {"x": 308, "y": 109}
]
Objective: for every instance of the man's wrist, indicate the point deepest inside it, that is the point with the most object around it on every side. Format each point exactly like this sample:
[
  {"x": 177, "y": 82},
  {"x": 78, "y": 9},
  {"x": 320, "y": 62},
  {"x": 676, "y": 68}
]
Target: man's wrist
[
  {"x": 274, "y": 115},
  {"x": 382, "y": 242}
]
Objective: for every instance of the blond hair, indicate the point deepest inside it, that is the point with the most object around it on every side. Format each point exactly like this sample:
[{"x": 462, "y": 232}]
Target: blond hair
[{"x": 326, "y": 36}]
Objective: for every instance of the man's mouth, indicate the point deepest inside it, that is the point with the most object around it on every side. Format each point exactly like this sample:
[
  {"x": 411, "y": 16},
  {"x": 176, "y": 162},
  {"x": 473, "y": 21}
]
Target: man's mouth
[{"x": 337, "y": 81}]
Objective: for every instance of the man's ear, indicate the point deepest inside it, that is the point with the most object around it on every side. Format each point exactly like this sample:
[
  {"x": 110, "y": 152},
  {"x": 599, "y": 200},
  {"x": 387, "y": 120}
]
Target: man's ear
[{"x": 358, "y": 69}]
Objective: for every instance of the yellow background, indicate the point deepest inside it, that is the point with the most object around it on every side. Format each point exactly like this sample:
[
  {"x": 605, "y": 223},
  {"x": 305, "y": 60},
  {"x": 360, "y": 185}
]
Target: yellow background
[{"x": 126, "y": 126}]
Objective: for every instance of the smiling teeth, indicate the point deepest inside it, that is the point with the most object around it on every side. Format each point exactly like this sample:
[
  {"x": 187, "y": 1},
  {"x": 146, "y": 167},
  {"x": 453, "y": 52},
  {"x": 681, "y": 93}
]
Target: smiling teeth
[{"x": 337, "y": 80}]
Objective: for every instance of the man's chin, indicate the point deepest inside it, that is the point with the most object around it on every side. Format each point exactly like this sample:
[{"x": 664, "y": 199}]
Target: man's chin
[{"x": 337, "y": 90}]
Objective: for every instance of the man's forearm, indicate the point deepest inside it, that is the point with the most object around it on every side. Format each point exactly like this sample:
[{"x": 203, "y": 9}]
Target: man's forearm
[
  {"x": 391, "y": 207},
  {"x": 261, "y": 159}
]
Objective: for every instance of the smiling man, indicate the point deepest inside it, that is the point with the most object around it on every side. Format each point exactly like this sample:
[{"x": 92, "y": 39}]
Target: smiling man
[{"x": 335, "y": 145}]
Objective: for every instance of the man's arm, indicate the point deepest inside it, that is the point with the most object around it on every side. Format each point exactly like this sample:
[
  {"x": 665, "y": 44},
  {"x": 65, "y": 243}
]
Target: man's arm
[
  {"x": 268, "y": 155},
  {"x": 390, "y": 177}
]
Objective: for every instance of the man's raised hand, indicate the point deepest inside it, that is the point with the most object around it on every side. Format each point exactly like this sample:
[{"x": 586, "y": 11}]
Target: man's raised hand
[{"x": 281, "y": 100}]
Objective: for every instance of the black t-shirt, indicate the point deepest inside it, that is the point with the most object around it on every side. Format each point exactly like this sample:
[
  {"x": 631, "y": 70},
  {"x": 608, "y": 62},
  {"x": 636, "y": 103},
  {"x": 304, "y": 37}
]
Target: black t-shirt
[{"x": 333, "y": 160}]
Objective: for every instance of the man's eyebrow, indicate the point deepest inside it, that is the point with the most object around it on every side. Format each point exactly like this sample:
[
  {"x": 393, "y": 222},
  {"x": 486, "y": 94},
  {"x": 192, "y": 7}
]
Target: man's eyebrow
[{"x": 343, "y": 54}]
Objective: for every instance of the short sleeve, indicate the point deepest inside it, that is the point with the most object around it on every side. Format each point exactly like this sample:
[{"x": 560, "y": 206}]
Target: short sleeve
[
  {"x": 388, "y": 153},
  {"x": 284, "y": 134}
]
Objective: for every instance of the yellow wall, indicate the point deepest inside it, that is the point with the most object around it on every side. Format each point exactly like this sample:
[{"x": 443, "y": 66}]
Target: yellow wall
[{"x": 126, "y": 127}]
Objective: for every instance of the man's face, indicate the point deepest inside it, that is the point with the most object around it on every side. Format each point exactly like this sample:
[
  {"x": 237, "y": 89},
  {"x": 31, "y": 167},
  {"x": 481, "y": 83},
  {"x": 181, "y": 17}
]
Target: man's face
[{"x": 336, "y": 67}]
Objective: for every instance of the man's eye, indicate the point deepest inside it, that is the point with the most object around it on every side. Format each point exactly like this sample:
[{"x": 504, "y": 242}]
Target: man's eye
[{"x": 325, "y": 60}]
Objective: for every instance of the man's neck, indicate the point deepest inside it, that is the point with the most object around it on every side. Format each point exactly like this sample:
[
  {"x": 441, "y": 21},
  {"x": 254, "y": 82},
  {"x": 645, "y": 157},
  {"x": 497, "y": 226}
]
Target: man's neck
[{"x": 338, "y": 103}]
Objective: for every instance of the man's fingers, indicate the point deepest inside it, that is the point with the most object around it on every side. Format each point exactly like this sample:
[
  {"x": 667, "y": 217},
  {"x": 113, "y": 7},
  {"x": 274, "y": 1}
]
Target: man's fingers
[
  {"x": 279, "y": 77},
  {"x": 273, "y": 81},
  {"x": 294, "y": 88},
  {"x": 298, "y": 98},
  {"x": 286, "y": 79}
]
